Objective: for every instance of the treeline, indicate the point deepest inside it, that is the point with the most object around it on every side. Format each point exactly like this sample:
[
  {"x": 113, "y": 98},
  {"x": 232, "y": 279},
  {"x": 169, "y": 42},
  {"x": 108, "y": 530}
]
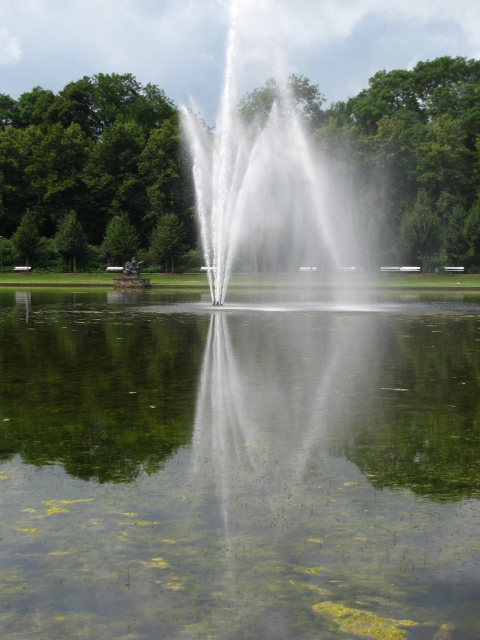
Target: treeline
[
  {"x": 94, "y": 173},
  {"x": 409, "y": 147},
  {"x": 405, "y": 156},
  {"x": 98, "y": 171}
]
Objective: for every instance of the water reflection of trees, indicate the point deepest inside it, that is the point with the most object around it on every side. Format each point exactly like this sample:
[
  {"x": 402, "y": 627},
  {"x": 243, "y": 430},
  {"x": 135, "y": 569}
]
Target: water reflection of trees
[
  {"x": 105, "y": 394},
  {"x": 427, "y": 437}
]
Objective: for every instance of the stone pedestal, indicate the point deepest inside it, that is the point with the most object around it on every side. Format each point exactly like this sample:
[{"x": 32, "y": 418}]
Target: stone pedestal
[{"x": 131, "y": 282}]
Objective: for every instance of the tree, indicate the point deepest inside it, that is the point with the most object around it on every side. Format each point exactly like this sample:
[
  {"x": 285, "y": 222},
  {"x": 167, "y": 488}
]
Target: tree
[
  {"x": 34, "y": 106},
  {"x": 472, "y": 227},
  {"x": 8, "y": 110},
  {"x": 420, "y": 231},
  {"x": 111, "y": 175},
  {"x": 456, "y": 243},
  {"x": 114, "y": 94},
  {"x": 70, "y": 238},
  {"x": 167, "y": 239},
  {"x": 26, "y": 236},
  {"x": 75, "y": 104},
  {"x": 167, "y": 176},
  {"x": 441, "y": 158},
  {"x": 121, "y": 239},
  {"x": 389, "y": 94},
  {"x": 306, "y": 98}
]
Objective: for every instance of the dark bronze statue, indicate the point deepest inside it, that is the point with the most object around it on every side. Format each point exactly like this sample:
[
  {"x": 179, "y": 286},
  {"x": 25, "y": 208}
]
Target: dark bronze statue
[{"x": 132, "y": 268}]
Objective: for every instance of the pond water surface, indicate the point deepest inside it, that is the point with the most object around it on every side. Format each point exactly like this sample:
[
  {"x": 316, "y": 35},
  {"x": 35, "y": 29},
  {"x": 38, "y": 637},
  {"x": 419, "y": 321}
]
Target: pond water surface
[{"x": 270, "y": 469}]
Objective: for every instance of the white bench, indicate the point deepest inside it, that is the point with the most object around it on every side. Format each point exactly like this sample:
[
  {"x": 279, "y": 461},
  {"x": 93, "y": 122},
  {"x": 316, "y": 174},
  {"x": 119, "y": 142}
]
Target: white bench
[
  {"x": 22, "y": 268},
  {"x": 400, "y": 269},
  {"x": 114, "y": 269},
  {"x": 308, "y": 269},
  {"x": 454, "y": 269},
  {"x": 346, "y": 269},
  {"x": 208, "y": 268}
]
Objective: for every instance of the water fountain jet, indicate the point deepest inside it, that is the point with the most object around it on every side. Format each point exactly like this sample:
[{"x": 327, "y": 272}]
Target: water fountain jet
[{"x": 259, "y": 192}]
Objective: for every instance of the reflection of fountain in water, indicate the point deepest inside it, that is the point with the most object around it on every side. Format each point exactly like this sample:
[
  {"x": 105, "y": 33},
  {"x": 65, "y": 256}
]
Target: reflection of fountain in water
[
  {"x": 266, "y": 397},
  {"x": 259, "y": 191},
  {"x": 24, "y": 299}
]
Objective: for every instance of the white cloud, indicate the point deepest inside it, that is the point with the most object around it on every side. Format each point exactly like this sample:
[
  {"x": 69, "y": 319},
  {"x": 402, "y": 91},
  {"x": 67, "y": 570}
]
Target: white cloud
[
  {"x": 180, "y": 44},
  {"x": 10, "y": 50}
]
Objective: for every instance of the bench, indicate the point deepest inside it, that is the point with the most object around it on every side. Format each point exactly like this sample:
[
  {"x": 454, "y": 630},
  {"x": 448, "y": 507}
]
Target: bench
[
  {"x": 389, "y": 269},
  {"x": 400, "y": 269},
  {"x": 114, "y": 269},
  {"x": 410, "y": 269},
  {"x": 22, "y": 268},
  {"x": 454, "y": 269},
  {"x": 308, "y": 269},
  {"x": 346, "y": 269},
  {"x": 208, "y": 268}
]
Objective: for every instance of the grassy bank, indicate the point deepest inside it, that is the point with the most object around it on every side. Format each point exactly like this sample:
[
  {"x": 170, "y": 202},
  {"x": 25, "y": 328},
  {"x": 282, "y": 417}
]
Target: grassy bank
[{"x": 254, "y": 281}]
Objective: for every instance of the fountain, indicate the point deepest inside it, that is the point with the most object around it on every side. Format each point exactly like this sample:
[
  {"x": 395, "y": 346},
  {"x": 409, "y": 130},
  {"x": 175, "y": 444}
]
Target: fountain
[{"x": 260, "y": 190}]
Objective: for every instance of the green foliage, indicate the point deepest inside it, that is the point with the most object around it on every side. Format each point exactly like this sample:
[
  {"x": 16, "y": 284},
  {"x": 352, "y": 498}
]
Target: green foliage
[
  {"x": 472, "y": 227},
  {"x": 420, "y": 232},
  {"x": 8, "y": 110},
  {"x": 70, "y": 238},
  {"x": 27, "y": 236},
  {"x": 47, "y": 257},
  {"x": 455, "y": 241},
  {"x": 305, "y": 96},
  {"x": 167, "y": 240},
  {"x": 8, "y": 253},
  {"x": 121, "y": 240},
  {"x": 106, "y": 144}
]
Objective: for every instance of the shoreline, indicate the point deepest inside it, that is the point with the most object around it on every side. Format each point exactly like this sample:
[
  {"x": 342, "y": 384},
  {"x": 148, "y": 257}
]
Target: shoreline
[{"x": 253, "y": 282}]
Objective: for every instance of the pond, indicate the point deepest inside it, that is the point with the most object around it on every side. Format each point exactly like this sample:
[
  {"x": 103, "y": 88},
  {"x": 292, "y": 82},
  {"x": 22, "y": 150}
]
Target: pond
[{"x": 270, "y": 469}]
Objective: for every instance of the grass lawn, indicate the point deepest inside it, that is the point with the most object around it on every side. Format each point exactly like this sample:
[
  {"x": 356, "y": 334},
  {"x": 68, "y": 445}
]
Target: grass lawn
[{"x": 254, "y": 281}]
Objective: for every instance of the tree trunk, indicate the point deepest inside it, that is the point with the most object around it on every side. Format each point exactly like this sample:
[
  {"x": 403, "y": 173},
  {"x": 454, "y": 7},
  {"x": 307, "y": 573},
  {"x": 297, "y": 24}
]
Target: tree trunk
[{"x": 74, "y": 264}]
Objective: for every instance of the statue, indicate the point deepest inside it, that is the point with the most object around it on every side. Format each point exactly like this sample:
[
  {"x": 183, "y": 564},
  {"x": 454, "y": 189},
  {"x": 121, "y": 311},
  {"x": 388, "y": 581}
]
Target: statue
[{"x": 132, "y": 268}]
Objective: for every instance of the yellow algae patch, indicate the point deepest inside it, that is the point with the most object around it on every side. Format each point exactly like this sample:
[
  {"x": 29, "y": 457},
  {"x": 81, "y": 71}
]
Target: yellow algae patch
[
  {"x": 159, "y": 563},
  {"x": 169, "y": 541},
  {"x": 349, "y": 484},
  {"x": 144, "y": 523},
  {"x": 390, "y": 389},
  {"x": 359, "y": 539},
  {"x": 315, "y": 540},
  {"x": 444, "y": 633},
  {"x": 363, "y": 622},
  {"x": 25, "y": 530},
  {"x": 131, "y": 514},
  {"x": 59, "y": 553},
  {"x": 54, "y": 510},
  {"x": 29, "y": 510},
  {"x": 174, "y": 586},
  {"x": 5, "y": 475},
  {"x": 316, "y": 570}
]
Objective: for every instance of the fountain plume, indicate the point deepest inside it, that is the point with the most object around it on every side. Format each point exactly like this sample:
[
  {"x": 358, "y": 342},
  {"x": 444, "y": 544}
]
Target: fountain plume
[{"x": 259, "y": 192}]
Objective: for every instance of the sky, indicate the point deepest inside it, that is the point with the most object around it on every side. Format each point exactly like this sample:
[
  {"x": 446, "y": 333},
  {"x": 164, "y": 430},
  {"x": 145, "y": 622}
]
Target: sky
[{"x": 180, "y": 45}]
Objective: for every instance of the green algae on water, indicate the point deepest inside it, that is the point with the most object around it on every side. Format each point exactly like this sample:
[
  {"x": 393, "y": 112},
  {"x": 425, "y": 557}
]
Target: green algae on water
[{"x": 363, "y": 622}]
